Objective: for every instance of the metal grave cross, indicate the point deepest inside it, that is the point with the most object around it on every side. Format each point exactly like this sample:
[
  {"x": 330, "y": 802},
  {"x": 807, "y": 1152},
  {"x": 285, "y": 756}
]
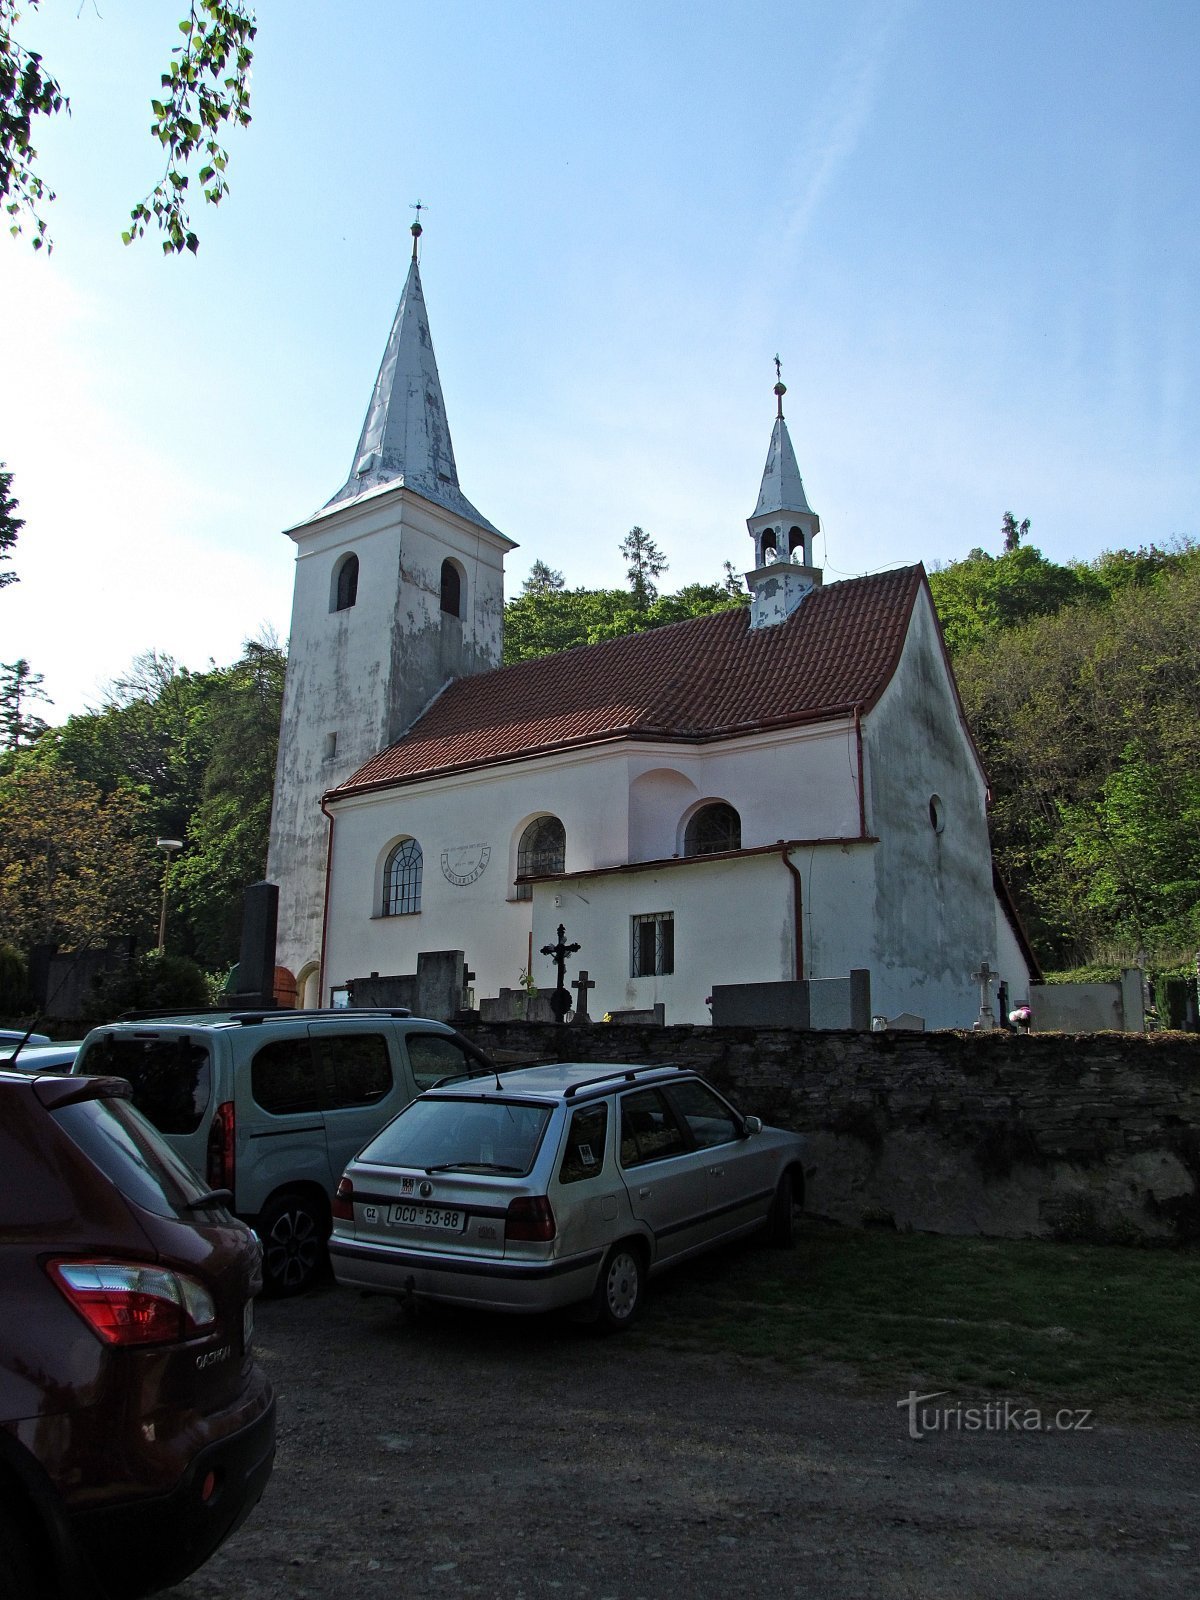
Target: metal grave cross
[{"x": 560, "y": 1000}]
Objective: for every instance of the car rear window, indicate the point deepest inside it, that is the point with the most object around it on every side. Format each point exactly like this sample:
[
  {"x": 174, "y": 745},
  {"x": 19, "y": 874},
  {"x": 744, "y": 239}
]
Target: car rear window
[
  {"x": 171, "y": 1075},
  {"x": 462, "y": 1135},
  {"x": 116, "y": 1138}
]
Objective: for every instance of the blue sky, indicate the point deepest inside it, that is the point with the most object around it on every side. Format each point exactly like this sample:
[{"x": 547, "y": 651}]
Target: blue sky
[{"x": 970, "y": 231}]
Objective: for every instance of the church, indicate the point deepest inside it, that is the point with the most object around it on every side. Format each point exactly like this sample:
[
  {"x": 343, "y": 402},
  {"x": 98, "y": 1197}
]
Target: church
[{"x": 778, "y": 792}]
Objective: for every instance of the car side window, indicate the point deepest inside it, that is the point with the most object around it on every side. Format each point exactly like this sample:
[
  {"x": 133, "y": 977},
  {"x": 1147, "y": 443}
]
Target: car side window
[
  {"x": 355, "y": 1068},
  {"x": 709, "y": 1120},
  {"x": 649, "y": 1131},
  {"x": 584, "y": 1154},
  {"x": 433, "y": 1057},
  {"x": 284, "y": 1079}
]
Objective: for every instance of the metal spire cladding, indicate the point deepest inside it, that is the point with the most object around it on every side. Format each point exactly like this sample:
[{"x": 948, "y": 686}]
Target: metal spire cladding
[
  {"x": 782, "y": 487},
  {"x": 405, "y": 440}
]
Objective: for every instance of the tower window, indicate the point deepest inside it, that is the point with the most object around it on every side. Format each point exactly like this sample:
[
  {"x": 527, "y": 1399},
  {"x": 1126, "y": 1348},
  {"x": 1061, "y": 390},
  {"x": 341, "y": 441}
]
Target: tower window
[
  {"x": 543, "y": 849},
  {"x": 345, "y": 583},
  {"x": 451, "y": 589},
  {"x": 796, "y": 542},
  {"x": 712, "y": 829},
  {"x": 402, "y": 879}
]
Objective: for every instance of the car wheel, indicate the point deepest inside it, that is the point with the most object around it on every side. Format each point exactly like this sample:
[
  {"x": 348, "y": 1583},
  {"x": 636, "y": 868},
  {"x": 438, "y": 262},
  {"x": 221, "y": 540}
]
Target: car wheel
[
  {"x": 18, "y": 1571},
  {"x": 781, "y": 1219},
  {"x": 293, "y": 1232},
  {"x": 621, "y": 1289}
]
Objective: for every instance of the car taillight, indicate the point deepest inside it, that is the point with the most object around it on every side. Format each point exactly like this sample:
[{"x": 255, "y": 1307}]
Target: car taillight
[
  {"x": 222, "y": 1145},
  {"x": 530, "y": 1217},
  {"x": 343, "y": 1201},
  {"x": 127, "y": 1303}
]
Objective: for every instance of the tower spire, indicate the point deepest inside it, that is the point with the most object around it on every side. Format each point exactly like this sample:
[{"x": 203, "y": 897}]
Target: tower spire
[
  {"x": 783, "y": 526},
  {"x": 405, "y": 439}
]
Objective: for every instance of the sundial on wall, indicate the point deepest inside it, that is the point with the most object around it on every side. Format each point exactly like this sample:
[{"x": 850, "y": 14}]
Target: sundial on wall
[{"x": 463, "y": 863}]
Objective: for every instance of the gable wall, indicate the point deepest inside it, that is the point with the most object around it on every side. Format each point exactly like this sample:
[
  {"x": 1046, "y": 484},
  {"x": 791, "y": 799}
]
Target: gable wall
[{"x": 935, "y": 909}]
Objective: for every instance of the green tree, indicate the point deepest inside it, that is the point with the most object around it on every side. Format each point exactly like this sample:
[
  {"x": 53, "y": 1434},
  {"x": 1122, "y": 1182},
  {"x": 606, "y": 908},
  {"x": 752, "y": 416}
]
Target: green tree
[
  {"x": 18, "y": 686},
  {"x": 646, "y": 563},
  {"x": 227, "y": 833},
  {"x": 206, "y": 89},
  {"x": 76, "y": 868},
  {"x": 10, "y": 523}
]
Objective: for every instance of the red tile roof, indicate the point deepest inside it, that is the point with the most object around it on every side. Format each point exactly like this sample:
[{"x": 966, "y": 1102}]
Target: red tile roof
[{"x": 707, "y": 678}]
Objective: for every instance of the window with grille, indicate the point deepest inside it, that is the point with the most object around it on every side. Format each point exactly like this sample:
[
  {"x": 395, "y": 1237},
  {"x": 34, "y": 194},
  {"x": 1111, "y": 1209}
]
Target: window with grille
[
  {"x": 402, "y": 880},
  {"x": 543, "y": 849},
  {"x": 713, "y": 828},
  {"x": 653, "y": 944}
]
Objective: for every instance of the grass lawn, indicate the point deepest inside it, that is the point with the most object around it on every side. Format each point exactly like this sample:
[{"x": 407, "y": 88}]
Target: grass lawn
[{"x": 1090, "y": 1325}]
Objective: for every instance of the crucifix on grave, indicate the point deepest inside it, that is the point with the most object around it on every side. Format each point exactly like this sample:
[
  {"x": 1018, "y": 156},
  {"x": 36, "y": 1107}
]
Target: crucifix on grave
[
  {"x": 984, "y": 978},
  {"x": 560, "y": 1000},
  {"x": 582, "y": 983}
]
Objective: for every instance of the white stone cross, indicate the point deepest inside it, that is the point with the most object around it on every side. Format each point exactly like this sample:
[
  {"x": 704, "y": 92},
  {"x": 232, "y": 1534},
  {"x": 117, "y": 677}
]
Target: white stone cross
[{"x": 984, "y": 978}]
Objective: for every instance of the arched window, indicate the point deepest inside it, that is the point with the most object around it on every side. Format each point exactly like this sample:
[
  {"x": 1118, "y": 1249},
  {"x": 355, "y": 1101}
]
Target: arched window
[
  {"x": 345, "y": 583},
  {"x": 796, "y": 542},
  {"x": 402, "y": 879},
  {"x": 451, "y": 589},
  {"x": 714, "y": 828},
  {"x": 543, "y": 849}
]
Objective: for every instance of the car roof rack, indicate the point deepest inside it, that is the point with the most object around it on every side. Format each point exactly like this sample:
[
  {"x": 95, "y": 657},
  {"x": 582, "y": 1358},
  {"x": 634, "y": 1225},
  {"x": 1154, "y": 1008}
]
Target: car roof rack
[
  {"x": 625, "y": 1075},
  {"x": 247, "y": 1017}
]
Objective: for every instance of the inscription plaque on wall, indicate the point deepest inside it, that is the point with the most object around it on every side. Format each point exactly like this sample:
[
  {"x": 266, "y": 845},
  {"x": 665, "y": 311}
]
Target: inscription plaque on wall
[{"x": 463, "y": 863}]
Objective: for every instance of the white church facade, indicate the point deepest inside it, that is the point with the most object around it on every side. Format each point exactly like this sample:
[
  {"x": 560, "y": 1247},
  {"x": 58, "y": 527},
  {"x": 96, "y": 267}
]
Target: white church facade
[{"x": 783, "y": 791}]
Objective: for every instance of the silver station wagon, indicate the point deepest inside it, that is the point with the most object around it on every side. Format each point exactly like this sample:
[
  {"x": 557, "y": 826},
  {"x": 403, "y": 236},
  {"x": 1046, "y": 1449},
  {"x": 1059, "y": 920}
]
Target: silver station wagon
[{"x": 559, "y": 1185}]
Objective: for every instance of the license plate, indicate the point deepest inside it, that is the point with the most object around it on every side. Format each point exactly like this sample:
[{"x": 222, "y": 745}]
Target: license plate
[
  {"x": 426, "y": 1217},
  {"x": 247, "y": 1325}
]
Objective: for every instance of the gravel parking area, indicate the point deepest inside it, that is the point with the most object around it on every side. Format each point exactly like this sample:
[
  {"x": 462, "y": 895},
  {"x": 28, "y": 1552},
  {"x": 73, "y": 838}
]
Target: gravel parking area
[{"x": 470, "y": 1455}]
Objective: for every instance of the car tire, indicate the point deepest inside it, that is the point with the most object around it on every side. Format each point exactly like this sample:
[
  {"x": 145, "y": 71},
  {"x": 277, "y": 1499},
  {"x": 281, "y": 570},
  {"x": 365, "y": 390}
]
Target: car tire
[
  {"x": 781, "y": 1219},
  {"x": 294, "y": 1231},
  {"x": 620, "y": 1289},
  {"x": 19, "y": 1574}
]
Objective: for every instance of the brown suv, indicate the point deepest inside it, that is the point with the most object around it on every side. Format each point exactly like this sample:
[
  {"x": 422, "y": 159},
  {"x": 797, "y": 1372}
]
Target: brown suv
[{"x": 136, "y": 1429}]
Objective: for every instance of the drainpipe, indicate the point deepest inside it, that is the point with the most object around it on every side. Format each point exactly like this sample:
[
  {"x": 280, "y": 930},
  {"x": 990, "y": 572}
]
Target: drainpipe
[
  {"x": 325, "y": 906},
  {"x": 862, "y": 791},
  {"x": 797, "y": 908}
]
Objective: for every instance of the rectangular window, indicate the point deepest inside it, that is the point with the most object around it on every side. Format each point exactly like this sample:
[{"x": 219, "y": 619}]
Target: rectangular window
[{"x": 653, "y": 944}]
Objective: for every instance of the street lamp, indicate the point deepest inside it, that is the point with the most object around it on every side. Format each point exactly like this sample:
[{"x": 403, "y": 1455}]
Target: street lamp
[{"x": 169, "y": 847}]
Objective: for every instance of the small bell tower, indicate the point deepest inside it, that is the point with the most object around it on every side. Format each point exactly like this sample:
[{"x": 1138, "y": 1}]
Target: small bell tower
[{"x": 784, "y": 527}]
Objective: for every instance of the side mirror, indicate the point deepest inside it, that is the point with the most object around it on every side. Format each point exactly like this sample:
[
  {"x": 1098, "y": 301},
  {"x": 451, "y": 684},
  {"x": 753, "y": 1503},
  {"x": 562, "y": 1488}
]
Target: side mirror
[{"x": 753, "y": 1125}]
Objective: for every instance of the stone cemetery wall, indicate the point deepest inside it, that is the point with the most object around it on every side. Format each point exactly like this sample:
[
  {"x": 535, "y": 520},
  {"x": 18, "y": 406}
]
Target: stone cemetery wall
[{"x": 1054, "y": 1136}]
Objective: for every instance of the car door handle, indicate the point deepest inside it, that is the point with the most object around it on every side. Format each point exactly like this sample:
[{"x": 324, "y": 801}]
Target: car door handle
[
  {"x": 716, "y": 1172},
  {"x": 644, "y": 1194}
]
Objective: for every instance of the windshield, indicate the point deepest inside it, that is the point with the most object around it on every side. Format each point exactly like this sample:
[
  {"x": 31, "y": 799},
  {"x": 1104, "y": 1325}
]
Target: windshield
[
  {"x": 462, "y": 1135},
  {"x": 170, "y": 1074}
]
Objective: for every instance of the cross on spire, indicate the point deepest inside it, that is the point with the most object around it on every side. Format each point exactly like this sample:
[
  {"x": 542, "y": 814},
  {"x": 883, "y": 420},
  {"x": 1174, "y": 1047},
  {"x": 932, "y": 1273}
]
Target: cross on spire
[{"x": 416, "y": 230}]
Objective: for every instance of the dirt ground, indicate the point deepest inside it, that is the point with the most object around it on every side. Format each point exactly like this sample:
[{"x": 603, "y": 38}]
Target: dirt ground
[{"x": 471, "y": 1455}]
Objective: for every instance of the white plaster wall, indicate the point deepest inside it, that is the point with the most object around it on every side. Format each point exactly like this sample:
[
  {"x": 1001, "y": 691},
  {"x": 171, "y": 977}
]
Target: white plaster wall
[
  {"x": 616, "y": 804},
  {"x": 1010, "y": 961},
  {"x": 934, "y": 914},
  {"x": 732, "y": 925}
]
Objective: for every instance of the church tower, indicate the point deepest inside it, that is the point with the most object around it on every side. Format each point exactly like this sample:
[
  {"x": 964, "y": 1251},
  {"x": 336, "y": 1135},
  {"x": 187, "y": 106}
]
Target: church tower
[
  {"x": 784, "y": 528},
  {"x": 399, "y": 589}
]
